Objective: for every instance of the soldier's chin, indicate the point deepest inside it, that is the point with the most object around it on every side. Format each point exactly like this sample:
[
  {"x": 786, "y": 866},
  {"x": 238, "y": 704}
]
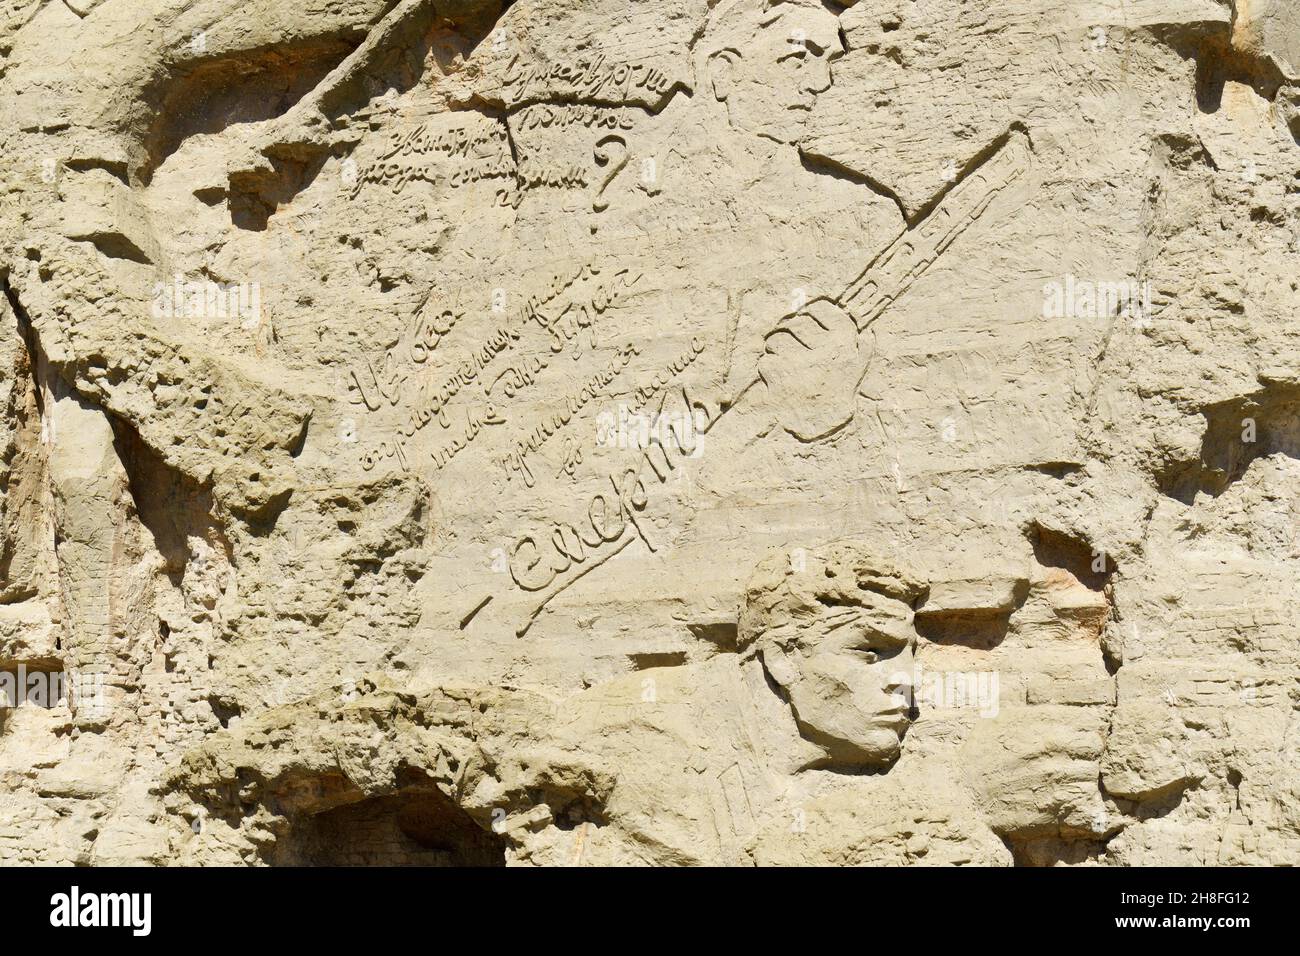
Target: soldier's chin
[
  {"x": 782, "y": 125},
  {"x": 877, "y": 748},
  {"x": 807, "y": 428},
  {"x": 881, "y": 746}
]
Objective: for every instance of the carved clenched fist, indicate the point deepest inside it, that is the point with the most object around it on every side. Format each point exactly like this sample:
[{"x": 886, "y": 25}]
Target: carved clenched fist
[{"x": 811, "y": 366}]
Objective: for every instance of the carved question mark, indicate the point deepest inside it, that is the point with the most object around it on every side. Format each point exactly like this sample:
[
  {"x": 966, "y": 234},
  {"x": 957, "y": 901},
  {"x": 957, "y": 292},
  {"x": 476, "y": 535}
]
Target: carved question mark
[{"x": 603, "y": 159}]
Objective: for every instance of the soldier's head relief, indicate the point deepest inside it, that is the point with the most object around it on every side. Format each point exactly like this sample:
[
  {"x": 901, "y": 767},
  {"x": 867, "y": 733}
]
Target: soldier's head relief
[
  {"x": 835, "y": 635},
  {"x": 768, "y": 62}
]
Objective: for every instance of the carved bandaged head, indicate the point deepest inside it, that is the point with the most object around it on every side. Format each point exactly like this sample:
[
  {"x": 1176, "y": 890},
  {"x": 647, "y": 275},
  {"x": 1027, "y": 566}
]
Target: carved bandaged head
[
  {"x": 834, "y": 632},
  {"x": 768, "y": 61}
]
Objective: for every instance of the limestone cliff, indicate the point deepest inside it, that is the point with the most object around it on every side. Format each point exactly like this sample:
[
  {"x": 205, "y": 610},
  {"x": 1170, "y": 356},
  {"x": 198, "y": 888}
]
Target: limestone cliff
[{"x": 554, "y": 432}]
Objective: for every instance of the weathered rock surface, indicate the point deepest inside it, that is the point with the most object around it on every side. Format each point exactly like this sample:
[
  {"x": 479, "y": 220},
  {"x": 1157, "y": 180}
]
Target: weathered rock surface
[{"x": 682, "y": 432}]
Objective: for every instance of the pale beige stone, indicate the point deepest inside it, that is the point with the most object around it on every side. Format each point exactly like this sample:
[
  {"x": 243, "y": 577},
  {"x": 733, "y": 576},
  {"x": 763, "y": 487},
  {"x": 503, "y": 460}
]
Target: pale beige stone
[{"x": 578, "y": 432}]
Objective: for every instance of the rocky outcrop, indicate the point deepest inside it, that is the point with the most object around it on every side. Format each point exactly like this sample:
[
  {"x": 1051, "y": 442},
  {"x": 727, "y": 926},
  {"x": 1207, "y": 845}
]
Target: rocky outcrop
[{"x": 554, "y": 432}]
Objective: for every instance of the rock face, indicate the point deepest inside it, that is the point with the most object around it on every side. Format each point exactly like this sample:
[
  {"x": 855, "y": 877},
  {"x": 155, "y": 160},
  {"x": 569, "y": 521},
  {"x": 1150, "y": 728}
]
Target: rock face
[{"x": 464, "y": 432}]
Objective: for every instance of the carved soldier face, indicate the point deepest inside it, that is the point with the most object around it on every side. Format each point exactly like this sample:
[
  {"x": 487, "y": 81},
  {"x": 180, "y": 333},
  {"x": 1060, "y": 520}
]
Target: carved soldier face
[
  {"x": 770, "y": 78},
  {"x": 835, "y": 632},
  {"x": 847, "y": 677}
]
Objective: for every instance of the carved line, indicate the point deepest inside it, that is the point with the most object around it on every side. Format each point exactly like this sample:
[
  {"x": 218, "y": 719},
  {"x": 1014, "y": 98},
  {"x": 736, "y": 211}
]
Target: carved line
[
  {"x": 468, "y": 618},
  {"x": 523, "y": 628}
]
